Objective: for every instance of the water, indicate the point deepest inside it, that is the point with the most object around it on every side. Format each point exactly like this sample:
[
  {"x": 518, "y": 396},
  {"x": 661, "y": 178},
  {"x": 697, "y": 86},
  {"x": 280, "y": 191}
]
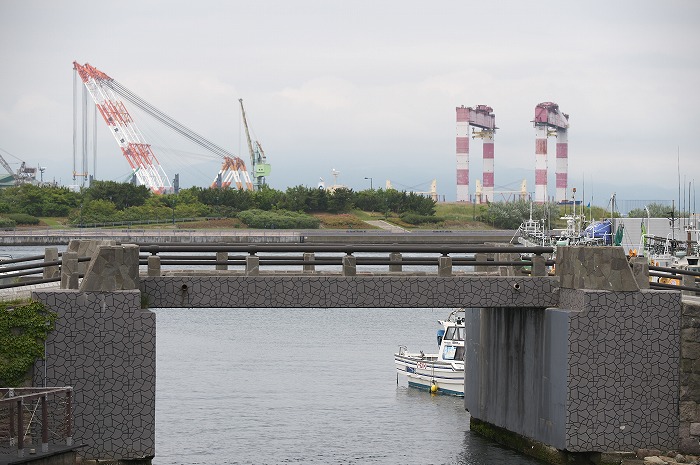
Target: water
[{"x": 318, "y": 386}]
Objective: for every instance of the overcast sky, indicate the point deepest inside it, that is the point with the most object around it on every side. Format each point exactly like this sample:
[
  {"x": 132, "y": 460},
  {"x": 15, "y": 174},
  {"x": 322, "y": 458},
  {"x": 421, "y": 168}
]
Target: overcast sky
[{"x": 368, "y": 88}]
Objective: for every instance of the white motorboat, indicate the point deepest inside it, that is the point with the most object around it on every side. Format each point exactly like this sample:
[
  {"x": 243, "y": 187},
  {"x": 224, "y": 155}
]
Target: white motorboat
[{"x": 442, "y": 372}]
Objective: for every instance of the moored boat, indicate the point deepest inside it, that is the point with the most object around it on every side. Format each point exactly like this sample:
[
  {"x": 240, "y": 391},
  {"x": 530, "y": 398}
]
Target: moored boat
[{"x": 441, "y": 372}]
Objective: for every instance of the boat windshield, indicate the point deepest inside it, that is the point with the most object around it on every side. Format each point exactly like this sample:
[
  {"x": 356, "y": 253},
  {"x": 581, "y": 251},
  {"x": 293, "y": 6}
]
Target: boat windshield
[
  {"x": 454, "y": 333},
  {"x": 453, "y": 353}
]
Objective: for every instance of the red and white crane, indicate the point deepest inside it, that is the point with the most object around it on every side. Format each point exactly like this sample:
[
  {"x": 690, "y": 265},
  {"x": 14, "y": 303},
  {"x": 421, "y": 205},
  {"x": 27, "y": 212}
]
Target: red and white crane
[
  {"x": 483, "y": 118},
  {"x": 548, "y": 116},
  {"x": 106, "y": 93},
  {"x": 137, "y": 152}
]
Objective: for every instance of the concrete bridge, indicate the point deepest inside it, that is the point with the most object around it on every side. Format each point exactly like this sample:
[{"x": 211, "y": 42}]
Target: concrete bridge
[{"x": 585, "y": 361}]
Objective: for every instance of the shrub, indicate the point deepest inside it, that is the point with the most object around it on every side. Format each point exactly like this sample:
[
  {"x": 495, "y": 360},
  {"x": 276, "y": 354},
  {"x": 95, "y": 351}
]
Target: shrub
[
  {"x": 22, "y": 218},
  {"x": 415, "y": 218},
  {"x": 7, "y": 223},
  {"x": 278, "y": 219}
]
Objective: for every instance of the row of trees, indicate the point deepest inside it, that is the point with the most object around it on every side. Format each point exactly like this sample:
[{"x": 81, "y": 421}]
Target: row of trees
[{"x": 108, "y": 201}]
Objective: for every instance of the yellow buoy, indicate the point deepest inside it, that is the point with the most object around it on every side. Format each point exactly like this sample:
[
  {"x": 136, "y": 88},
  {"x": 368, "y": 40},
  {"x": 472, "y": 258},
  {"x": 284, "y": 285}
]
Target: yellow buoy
[{"x": 433, "y": 388}]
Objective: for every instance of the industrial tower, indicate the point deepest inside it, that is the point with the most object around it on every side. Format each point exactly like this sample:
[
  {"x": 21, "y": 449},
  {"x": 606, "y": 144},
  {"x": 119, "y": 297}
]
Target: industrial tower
[
  {"x": 483, "y": 118},
  {"x": 547, "y": 115}
]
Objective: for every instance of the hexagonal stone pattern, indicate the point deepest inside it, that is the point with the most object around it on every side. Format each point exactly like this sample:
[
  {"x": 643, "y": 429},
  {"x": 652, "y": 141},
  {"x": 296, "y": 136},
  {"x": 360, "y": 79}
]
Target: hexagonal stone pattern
[
  {"x": 346, "y": 291},
  {"x": 104, "y": 346}
]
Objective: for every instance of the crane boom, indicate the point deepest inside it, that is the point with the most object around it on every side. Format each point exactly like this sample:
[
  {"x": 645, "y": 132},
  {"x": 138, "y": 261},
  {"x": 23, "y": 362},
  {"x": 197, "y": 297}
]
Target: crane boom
[
  {"x": 7, "y": 166},
  {"x": 247, "y": 135},
  {"x": 259, "y": 166},
  {"x": 145, "y": 166},
  {"x": 137, "y": 152}
]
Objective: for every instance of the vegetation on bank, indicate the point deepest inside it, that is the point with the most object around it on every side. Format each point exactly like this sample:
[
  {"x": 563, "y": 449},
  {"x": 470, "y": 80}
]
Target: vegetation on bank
[
  {"x": 24, "y": 326},
  {"x": 299, "y": 207}
]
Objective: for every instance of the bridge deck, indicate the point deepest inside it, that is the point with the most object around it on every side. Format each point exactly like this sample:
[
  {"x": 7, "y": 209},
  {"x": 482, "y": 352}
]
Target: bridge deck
[{"x": 319, "y": 291}]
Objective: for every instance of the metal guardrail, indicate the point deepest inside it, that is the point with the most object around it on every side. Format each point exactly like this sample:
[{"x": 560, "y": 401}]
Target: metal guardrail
[{"x": 27, "y": 414}]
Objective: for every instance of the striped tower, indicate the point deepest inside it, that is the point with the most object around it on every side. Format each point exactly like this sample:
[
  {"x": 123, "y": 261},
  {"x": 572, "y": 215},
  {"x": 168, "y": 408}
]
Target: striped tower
[
  {"x": 562, "y": 168},
  {"x": 487, "y": 195},
  {"x": 540, "y": 164},
  {"x": 462, "y": 154}
]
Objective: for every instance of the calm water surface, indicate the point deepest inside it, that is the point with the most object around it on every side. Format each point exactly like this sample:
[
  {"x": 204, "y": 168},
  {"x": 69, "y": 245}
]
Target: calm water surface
[
  {"x": 317, "y": 386},
  {"x": 268, "y": 386}
]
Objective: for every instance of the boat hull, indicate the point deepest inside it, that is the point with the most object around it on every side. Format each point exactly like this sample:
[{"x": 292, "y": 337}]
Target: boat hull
[{"x": 424, "y": 372}]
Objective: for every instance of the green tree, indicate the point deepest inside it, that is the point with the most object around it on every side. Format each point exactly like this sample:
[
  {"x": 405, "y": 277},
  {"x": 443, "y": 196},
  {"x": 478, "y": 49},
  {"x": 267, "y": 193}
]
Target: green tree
[
  {"x": 656, "y": 210},
  {"x": 121, "y": 194}
]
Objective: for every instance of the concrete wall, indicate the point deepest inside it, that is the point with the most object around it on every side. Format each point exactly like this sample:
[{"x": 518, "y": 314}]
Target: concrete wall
[
  {"x": 597, "y": 372},
  {"x": 516, "y": 370},
  {"x": 690, "y": 376},
  {"x": 104, "y": 346}
]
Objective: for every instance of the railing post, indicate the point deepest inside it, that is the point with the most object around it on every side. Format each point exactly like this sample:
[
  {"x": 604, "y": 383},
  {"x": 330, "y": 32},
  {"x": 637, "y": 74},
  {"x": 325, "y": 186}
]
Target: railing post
[
  {"x": 349, "y": 265},
  {"x": 445, "y": 266},
  {"x": 640, "y": 271},
  {"x": 252, "y": 265},
  {"x": 221, "y": 257},
  {"x": 690, "y": 282},
  {"x": 44, "y": 424},
  {"x": 309, "y": 257},
  {"x": 20, "y": 428},
  {"x": 395, "y": 257},
  {"x": 69, "y": 421},
  {"x": 69, "y": 270},
  {"x": 539, "y": 268},
  {"x": 13, "y": 440},
  {"x": 50, "y": 255},
  {"x": 153, "y": 265}
]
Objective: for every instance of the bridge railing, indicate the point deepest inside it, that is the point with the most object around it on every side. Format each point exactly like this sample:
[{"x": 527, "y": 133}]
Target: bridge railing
[
  {"x": 31, "y": 270},
  {"x": 35, "y": 416},
  {"x": 674, "y": 278},
  {"x": 348, "y": 257}
]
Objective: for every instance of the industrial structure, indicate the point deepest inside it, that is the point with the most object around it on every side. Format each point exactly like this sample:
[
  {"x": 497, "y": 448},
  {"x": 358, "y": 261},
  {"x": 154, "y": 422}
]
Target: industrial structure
[
  {"x": 23, "y": 175},
  {"x": 548, "y": 117},
  {"x": 481, "y": 117},
  {"x": 549, "y": 121},
  {"x": 107, "y": 94},
  {"x": 259, "y": 167}
]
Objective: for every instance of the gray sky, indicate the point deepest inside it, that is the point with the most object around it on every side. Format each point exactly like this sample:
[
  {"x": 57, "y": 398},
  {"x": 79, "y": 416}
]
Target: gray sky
[{"x": 368, "y": 87}]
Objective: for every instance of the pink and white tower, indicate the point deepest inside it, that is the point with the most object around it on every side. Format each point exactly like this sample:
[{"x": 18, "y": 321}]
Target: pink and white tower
[
  {"x": 483, "y": 118},
  {"x": 463, "y": 154},
  {"x": 548, "y": 116}
]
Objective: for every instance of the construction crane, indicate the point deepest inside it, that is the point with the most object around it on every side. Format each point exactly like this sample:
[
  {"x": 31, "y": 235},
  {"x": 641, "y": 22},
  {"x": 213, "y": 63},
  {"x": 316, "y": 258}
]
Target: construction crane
[
  {"x": 106, "y": 91},
  {"x": 259, "y": 167},
  {"x": 23, "y": 175}
]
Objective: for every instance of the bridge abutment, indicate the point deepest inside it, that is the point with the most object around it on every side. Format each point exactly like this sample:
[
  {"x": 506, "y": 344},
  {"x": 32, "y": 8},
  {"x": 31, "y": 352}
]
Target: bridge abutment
[{"x": 597, "y": 373}]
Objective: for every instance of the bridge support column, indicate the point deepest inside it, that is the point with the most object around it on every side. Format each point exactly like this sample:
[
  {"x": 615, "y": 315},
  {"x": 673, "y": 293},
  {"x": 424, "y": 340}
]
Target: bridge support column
[
  {"x": 69, "y": 270},
  {"x": 309, "y": 257},
  {"x": 349, "y": 265},
  {"x": 221, "y": 257},
  {"x": 598, "y": 373},
  {"x": 396, "y": 258},
  {"x": 252, "y": 265},
  {"x": 445, "y": 266},
  {"x": 50, "y": 255},
  {"x": 153, "y": 265}
]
